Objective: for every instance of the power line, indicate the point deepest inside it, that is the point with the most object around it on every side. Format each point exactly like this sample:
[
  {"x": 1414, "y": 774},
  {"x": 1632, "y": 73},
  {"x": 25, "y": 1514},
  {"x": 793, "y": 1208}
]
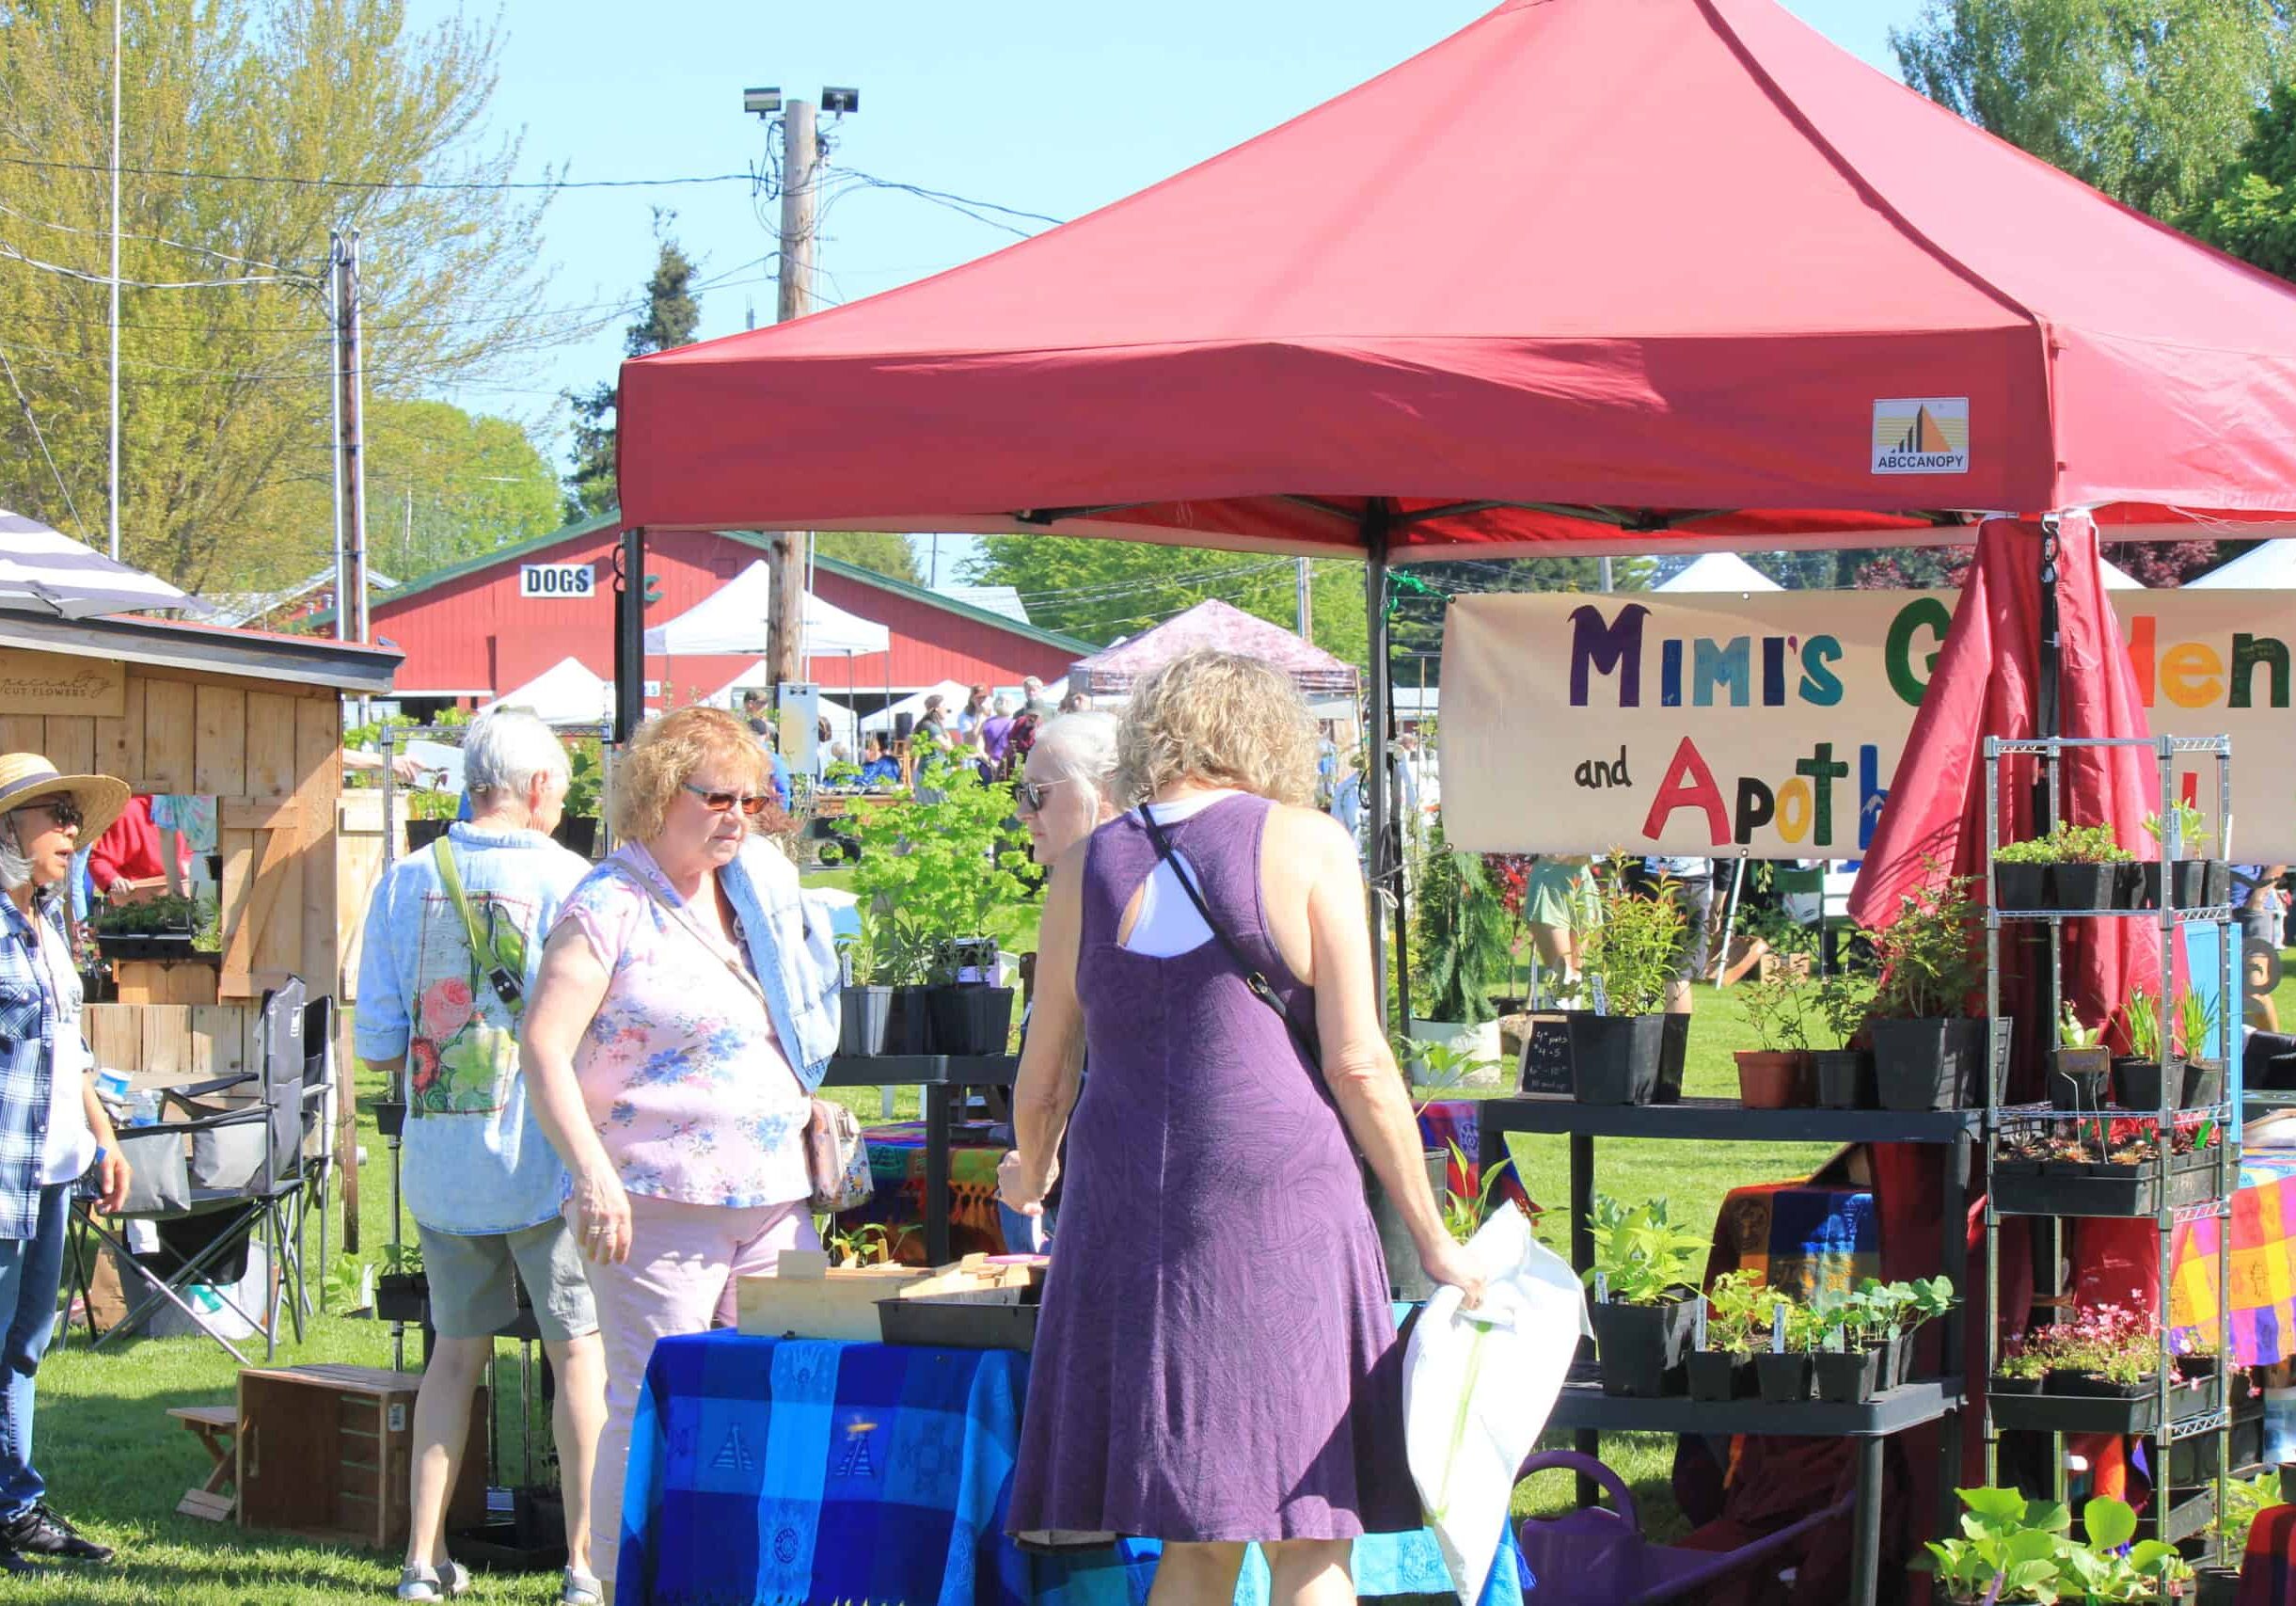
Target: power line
[
  {"x": 10, "y": 252},
  {"x": 154, "y": 239},
  {"x": 24, "y": 402},
  {"x": 389, "y": 183}
]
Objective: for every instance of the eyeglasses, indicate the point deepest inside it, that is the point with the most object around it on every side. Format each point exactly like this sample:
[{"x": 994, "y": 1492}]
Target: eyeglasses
[
  {"x": 65, "y": 811},
  {"x": 718, "y": 803},
  {"x": 1029, "y": 795}
]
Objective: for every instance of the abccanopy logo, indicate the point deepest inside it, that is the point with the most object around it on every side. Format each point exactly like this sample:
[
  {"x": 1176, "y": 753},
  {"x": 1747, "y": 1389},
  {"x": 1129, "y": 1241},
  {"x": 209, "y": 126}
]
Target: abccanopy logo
[{"x": 1921, "y": 435}]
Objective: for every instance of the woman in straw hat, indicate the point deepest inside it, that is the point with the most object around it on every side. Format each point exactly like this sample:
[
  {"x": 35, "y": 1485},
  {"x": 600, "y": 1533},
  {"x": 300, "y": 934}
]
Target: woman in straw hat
[{"x": 52, "y": 1130}]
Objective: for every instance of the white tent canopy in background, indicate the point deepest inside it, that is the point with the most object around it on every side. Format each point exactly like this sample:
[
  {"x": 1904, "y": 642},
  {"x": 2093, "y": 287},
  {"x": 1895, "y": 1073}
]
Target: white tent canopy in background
[
  {"x": 951, "y": 693},
  {"x": 566, "y": 693},
  {"x": 2119, "y": 578},
  {"x": 45, "y": 571},
  {"x": 733, "y": 620},
  {"x": 2270, "y": 566},
  {"x": 1718, "y": 571}
]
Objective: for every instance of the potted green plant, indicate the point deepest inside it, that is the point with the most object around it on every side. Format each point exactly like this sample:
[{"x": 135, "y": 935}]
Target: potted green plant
[
  {"x": 2198, "y": 1019},
  {"x": 2140, "y": 1075},
  {"x": 865, "y": 1003},
  {"x": 1926, "y": 1052},
  {"x": 2080, "y": 1066},
  {"x": 2014, "y": 1551},
  {"x": 428, "y": 815},
  {"x": 578, "y": 823},
  {"x": 2193, "y": 881},
  {"x": 1844, "y": 1073},
  {"x": 1783, "y": 1372},
  {"x": 2245, "y": 1500},
  {"x": 1777, "y": 1075},
  {"x": 1629, "y": 959},
  {"x": 1462, "y": 949},
  {"x": 403, "y": 1293},
  {"x": 2019, "y": 1371},
  {"x": 1737, "y": 1311},
  {"x": 1646, "y": 1280},
  {"x": 167, "y": 927},
  {"x": 2084, "y": 870},
  {"x": 2021, "y": 875}
]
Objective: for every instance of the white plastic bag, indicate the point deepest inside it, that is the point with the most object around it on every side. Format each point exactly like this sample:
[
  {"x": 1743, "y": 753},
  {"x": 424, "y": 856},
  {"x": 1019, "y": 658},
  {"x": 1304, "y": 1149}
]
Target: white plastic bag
[{"x": 1478, "y": 1386}]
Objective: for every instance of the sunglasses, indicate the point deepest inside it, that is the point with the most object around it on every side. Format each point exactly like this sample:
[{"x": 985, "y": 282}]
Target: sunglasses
[
  {"x": 65, "y": 811},
  {"x": 1030, "y": 795},
  {"x": 718, "y": 803}
]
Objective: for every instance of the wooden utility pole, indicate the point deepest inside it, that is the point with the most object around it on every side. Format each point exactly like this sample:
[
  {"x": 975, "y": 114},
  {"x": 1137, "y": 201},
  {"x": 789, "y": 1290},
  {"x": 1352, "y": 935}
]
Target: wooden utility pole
[
  {"x": 350, "y": 442},
  {"x": 800, "y": 160}
]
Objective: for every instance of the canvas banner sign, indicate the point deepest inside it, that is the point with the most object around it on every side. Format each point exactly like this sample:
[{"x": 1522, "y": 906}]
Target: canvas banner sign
[{"x": 1772, "y": 723}]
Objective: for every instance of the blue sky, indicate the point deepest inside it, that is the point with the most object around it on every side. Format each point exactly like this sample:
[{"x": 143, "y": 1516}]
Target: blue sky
[{"x": 1045, "y": 105}]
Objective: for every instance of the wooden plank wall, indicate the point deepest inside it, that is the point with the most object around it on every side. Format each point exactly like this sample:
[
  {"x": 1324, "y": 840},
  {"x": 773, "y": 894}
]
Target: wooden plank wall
[
  {"x": 175, "y": 1041},
  {"x": 271, "y": 758}
]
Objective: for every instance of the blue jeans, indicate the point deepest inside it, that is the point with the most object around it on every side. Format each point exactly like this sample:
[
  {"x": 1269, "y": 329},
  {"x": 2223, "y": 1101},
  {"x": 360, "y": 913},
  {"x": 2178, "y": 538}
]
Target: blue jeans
[{"x": 31, "y": 1272}]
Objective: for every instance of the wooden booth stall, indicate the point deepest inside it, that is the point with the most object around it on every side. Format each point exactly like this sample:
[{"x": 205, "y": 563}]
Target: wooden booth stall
[{"x": 248, "y": 720}]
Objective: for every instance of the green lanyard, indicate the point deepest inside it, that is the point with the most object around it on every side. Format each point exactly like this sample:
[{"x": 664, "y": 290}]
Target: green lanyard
[{"x": 508, "y": 985}]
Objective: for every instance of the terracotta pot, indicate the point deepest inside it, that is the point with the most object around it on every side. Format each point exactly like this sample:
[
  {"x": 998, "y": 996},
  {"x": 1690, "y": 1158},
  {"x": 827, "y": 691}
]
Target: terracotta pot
[{"x": 1773, "y": 1080}]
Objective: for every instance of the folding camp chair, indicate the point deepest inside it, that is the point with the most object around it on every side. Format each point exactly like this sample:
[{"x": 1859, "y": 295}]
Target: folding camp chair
[{"x": 263, "y": 1203}]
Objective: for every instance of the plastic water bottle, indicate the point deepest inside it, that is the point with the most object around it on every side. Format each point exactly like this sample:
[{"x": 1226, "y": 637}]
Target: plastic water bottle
[{"x": 144, "y": 1107}]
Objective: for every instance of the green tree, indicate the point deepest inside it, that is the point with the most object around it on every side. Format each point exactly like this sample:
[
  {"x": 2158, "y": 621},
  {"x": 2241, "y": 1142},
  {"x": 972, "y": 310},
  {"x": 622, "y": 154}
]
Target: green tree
[
  {"x": 225, "y": 392},
  {"x": 671, "y": 314},
  {"x": 2251, "y": 211},
  {"x": 2146, "y": 100},
  {"x": 1102, "y": 590},
  {"x": 443, "y": 484},
  {"x": 878, "y": 550}
]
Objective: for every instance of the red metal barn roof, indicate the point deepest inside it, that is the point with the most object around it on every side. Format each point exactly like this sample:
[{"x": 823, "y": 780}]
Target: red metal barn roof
[{"x": 481, "y": 628}]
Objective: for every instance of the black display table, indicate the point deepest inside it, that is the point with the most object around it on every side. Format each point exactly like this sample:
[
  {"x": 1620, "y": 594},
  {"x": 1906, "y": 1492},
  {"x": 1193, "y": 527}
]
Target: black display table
[
  {"x": 934, "y": 1075},
  {"x": 1582, "y": 1406}
]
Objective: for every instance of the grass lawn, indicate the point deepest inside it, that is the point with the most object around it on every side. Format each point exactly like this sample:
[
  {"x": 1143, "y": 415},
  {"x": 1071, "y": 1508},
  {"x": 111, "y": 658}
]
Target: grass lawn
[{"x": 117, "y": 1465}]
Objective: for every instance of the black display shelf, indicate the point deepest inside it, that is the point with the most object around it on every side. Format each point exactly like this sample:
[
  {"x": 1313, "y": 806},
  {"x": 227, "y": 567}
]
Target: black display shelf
[
  {"x": 2215, "y": 915},
  {"x": 2135, "y": 1191},
  {"x": 1583, "y": 1405},
  {"x": 2093, "y": 1413},
  {"x": 934, "y": 1075},
  {"x": 1726, "y": 1120}
]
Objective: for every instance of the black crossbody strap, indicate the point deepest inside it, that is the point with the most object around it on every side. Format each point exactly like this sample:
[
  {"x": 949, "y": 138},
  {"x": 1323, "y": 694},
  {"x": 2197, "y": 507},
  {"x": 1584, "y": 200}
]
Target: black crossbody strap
[{"x": 1255, "y": 979}]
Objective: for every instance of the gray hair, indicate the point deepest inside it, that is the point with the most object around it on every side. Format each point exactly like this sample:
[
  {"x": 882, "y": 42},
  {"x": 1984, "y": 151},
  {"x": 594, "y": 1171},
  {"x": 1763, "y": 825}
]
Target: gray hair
[
  {"x": 506, "y": 749},
  {"x": 1082, "y": 746},
  {"x": 15, "y": 864}
]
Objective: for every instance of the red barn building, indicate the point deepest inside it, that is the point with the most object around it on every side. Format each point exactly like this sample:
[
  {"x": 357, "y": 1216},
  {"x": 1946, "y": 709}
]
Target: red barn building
[{"x": 488, "y": 626}]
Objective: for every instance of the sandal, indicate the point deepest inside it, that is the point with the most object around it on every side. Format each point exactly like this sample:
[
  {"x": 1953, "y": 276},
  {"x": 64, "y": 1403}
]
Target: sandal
[
  {"x": 447, "y": 1581},
  {"x": 580, "y": 1589}
]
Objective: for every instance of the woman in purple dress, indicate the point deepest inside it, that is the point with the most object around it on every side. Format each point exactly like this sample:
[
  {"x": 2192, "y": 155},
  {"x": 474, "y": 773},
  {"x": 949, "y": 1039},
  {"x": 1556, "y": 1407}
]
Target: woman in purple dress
[{"x": 1216, "y": 1361}]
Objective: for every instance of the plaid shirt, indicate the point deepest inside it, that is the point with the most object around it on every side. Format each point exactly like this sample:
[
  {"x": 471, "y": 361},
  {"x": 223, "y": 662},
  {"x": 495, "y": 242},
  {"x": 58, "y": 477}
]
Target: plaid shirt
[{"x": 27, "y": 1009}]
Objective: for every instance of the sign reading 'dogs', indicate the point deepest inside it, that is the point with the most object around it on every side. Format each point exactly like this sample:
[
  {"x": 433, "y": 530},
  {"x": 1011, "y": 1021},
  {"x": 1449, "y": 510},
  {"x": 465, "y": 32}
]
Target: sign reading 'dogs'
[
  {"x": 1772, "y": 724},
  {"x": 557, "y": 580}
]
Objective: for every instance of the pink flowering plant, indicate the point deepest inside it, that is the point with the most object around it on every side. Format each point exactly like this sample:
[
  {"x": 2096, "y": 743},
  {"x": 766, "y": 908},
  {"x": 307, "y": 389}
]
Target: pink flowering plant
[{"x": 2118, "y": 1343}]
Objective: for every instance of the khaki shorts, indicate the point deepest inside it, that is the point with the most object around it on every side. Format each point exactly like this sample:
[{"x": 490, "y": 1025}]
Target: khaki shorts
[{"x": 471, "y": 1285}]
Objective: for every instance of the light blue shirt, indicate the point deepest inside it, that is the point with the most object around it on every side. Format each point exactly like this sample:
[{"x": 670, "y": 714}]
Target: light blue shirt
[{"x": 489, "y": 1169}]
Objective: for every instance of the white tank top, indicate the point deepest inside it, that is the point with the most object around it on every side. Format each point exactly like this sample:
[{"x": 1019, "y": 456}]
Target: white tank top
[{"x": 1168, "y": 925}]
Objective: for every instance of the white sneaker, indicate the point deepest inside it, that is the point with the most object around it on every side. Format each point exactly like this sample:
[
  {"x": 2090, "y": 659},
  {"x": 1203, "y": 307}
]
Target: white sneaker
[
  {"x": 580, "y": 1589},
  {"x": 447, "y": 1581}
]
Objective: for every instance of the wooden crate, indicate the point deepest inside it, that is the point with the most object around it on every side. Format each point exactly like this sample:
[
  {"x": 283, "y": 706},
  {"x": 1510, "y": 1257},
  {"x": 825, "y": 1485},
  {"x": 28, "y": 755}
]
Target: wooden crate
[
  {"x": 810, "y": 1299},
  {"x": 326, "y": 1451}
]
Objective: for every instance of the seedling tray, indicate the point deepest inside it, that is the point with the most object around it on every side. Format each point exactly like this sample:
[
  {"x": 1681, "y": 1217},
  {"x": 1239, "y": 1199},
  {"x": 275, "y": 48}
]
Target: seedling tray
[
  {"x": 994, "y": 1320},
  {"x": 2068, "y": 1187},
  {"x": 2093, "y": 1413}
]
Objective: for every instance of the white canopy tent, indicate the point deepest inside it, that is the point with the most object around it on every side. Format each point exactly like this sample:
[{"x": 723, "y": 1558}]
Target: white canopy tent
[
  {"x": 45, "y": 571},
  {"x": 1718, "y": 571},
  {"x": 2119, "y": 578},
  {"x": 566, "y": 693},
  {"x": 2267, "y": 567},
  {"x": 733, "y": 620},
  {"x": 951, "y": 693}
]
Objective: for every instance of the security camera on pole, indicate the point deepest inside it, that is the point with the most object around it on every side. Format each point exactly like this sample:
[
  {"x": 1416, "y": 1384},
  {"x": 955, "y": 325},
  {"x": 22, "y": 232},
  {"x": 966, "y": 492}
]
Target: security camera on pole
[{"x": 800, "y": 179}]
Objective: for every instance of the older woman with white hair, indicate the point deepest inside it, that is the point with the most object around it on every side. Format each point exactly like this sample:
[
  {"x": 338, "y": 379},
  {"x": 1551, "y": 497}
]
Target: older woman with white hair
[
  {"x": 52, "y": 1128},
  {"x": 453, "y": 941},
  {"x": 1216, "y": 1363}
]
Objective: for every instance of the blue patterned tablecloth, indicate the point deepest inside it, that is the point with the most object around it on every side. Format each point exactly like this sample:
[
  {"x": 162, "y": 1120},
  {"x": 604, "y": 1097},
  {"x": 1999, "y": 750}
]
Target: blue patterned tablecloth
[{"x": 793, "y": 1471}]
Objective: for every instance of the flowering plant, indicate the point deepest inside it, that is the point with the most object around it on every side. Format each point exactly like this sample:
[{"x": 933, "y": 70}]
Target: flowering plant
[{"x": 2117, "y": 1343}]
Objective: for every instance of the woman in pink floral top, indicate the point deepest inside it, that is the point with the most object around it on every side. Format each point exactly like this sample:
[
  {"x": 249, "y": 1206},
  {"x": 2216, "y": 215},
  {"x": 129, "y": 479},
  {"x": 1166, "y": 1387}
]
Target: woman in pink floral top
[{"x": 655, "y": 1061}]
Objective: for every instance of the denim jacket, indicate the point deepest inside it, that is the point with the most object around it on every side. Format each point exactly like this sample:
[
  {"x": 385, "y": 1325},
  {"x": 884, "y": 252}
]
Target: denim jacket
[{"x": 27, "y": 1010}]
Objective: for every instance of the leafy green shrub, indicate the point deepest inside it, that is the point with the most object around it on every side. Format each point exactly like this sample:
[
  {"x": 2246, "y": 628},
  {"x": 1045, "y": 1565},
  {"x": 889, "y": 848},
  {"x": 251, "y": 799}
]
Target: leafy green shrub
[
  {"x": 944, "y": 868},
  {"x": 1930, "y": 954},
  {"x": 1641, "y": 1257},
  {"x": 1633, "y": 952},
  {"x": 1461, "y": 947}
]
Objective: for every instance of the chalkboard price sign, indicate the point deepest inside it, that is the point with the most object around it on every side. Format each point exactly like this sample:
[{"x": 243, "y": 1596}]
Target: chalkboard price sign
[{"x": 1547, "y": 1057}]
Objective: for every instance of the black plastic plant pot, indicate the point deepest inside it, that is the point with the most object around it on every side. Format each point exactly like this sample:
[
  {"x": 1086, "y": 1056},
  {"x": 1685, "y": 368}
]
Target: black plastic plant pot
[
  {"x": 1845, "y": 1080},
  {"x": 2216, "y": 1586},
  {"x": 1927, "y": 1064},
  {"x": 1897, "y": 1361},
  {"x": 1407, "y": 1280},
  {"x": 164, "y": 946},
  {"x": 2079, "y": 888},
  {"x": 970, "y": 1018},
  {"x": 2138, "y": 1083},
  {"x": 2068, "y": 1187},
  {"x": 865, "y": 1014},
  {"x": 2204, "y": 1083},
  {"x": 1782, "y": 1380},
  {"x": 1674, "y": 1049},
  {"x": 422, "y": 833},
  {"x": 1851, "y": 1378},
  {"x": 1719, "y": 1374},
  {"x": 389, "y": 1117},
  {"x": 2140, "y": 886},
  {"x": 2078, "y": 1078},
  {"x": 909, "y": 1024},
  {"x": 2019, "y": 887},
  {"x": 2218, "y": 888},
  {"x": 1642, "y": 1346},
  {"x": 402, "y": 1297},
  {"x": 2001, "y": 1383},
  {"x": 578, "y": 833},
  {"x": 1614, "y": 1058},
  {"x": 2095, "y": 1386}
]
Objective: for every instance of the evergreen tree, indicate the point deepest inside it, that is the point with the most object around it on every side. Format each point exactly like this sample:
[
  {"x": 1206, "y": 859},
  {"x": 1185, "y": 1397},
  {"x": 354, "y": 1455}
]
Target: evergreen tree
[{"x": 672, "y": 313}]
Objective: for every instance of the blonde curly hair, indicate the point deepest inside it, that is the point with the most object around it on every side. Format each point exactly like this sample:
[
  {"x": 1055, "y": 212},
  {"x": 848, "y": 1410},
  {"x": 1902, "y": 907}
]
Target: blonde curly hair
[
  {"x": 1222, "y": 718},
  {"x": 664, "y": 754}
]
